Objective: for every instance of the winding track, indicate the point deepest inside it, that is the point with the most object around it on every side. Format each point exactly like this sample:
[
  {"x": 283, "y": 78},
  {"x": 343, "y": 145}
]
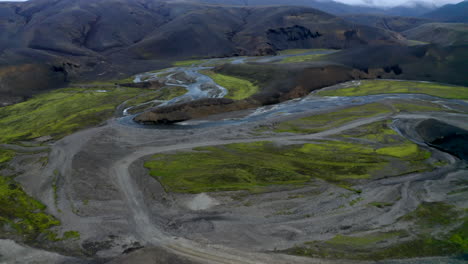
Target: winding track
[
  {"x": 142, "y": 221},
  {"x": 149, "y": 232}
]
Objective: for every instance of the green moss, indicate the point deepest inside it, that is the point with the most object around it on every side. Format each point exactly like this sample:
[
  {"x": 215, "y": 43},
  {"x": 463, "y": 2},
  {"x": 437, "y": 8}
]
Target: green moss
[
  {"x": 459, "y": 236},
  {"x": 396, "y": 146},
  {"x": 187, "y": 63},
  {"x": 71, "y": 235},
  {"x": 300, "y": 51},
  {"x": 430, "y": 214},
  {"x": 355, "y": 201},
  {"x": 378, "y": 132},
  {"x": 126, "y": 80},
  {"x": 321, "y": 122},
  {"x": 451, "y": 240},
  {"x": 163, "y": 94},
  {"x": 362, "y": 241},
  {"x": 370, "y": 87},
  {"x": 21, "y": 212},
  {"x": 6, "y": 155},
  {"x": 411, "y": 42},
  {"x": 251, "y": 165},
  {"x": 399, "y": 151},
  {"x": 284, "y": 212},
  {"x": 349, "y": 188},
  {"x": 458, "y": 191},
  {"x": 422, "y": 247},
  {"x": 381, "y": 204},
  {"x": 302, "y": 58},
  {"x": 364, "y": 247},
  {"x": 60, "y": 112},
  {"x": 417, "y": 107},
  {"x": 238, "y": 88}
]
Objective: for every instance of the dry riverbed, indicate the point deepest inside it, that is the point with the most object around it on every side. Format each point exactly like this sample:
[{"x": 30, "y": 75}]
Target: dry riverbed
[{"x": 309, "y": 180}]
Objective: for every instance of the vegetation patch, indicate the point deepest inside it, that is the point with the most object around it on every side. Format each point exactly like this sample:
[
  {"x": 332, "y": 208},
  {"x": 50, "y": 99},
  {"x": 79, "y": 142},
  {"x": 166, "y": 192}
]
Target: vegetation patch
[
  {"x": 382, "y": 246},
  {"x": 321, "y": 122},
  {"x": 21, "y": 213},
  {"x": 302, "y": 58},
  {"x": 187, "y": 63},
  {"x": 60, "y": 112},
  {"x": 248, "y": 166},
  {"x": 300, "y": 51},
  {"x": 418, "y": 107},
  {"x": 370, "y": 87},
  {"x": 71, "y": 235},
  {"x": 362, "y": 241},
  {"x": 390, "y": 143},
  {"x": 6, "y": 155},
  {"x": 163, "y": 94},
  {"x": 430, "y": 214},
  {"x": 378, "y": 132},
  {"x": 381, "y": 204},
  {"x": 238, "y": 88}
]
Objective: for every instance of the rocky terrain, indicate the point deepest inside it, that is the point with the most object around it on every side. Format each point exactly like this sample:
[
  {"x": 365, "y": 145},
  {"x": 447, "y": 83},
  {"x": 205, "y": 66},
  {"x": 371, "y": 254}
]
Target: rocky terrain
[
  {"x": 450, "y": 13},
  {"x": 116, "y": 204},
  {"x": 114, "y": 38},
  {"x": 141, "y": 131},
  {"x": 446, "y": 34}
]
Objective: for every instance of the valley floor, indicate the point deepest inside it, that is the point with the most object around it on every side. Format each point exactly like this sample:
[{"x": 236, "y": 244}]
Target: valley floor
[{"x": 315, "y": 180}]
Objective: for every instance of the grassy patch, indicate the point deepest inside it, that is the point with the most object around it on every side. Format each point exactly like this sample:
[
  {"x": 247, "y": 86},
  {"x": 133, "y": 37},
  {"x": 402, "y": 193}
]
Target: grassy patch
[
  {"x": 381, "y": 204},
  {"x": 6, "y": 155},
  {"x": 362, "y": 241},
  {"x": 417, "y": 107},
  {"x": 22, "y": 213},
  {"x": 390, "y": 143},
  {"x": 302, "y": 58},
  {"x": 370, "y": 87},
  {"x": 411, "y": 42},
  {"x": 71, "y": 235},
  {"x": 251, "y": 165},
  {"x": 430, "y": 214},
  {"x": 378, "y": 132},
  {"x": 299, "y": 51},
  {"x": 366, "y": 247},
  {"x": 238, "y": 88},
  {"x": 321, "y": 122},
  {"x": 163, "y": 94},
  {"x": 60, "y": 112},
  {"x": 399, "y": 151},
  {"x": 355, "y": 201},
  {"x": 186, "y": 63}
]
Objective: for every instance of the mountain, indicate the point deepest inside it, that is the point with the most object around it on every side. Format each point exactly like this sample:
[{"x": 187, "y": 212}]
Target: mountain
[
  {"x": 331, "y": 7},
  {"x": 445, "y": 64},
  {"x": 393, "y": 23},
  {"x": 414, "y": 10},
  {"x": 76, "y": 39},
  {"x": 440, "y": 33},
  {"x": 450, "y": 13}
]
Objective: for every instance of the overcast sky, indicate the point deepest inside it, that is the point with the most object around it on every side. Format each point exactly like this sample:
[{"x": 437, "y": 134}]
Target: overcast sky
[{"x": 378, "y": 2}]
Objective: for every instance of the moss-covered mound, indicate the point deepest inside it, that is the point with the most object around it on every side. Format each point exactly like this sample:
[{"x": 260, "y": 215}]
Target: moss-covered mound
[{"x": 246, "y": 166}]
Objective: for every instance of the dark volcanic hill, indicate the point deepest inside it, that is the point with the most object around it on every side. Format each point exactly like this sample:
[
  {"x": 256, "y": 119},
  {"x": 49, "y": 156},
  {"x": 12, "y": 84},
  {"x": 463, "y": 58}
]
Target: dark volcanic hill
[
  {"x": 73, "y": 39},
  {"x": 450, "y": 13},
  {"x": 155, "y": 29},
  {"x": 445, "y": 34},
  {"x": 330, "y": 6},
  {"x": 393, "y": 23}
]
